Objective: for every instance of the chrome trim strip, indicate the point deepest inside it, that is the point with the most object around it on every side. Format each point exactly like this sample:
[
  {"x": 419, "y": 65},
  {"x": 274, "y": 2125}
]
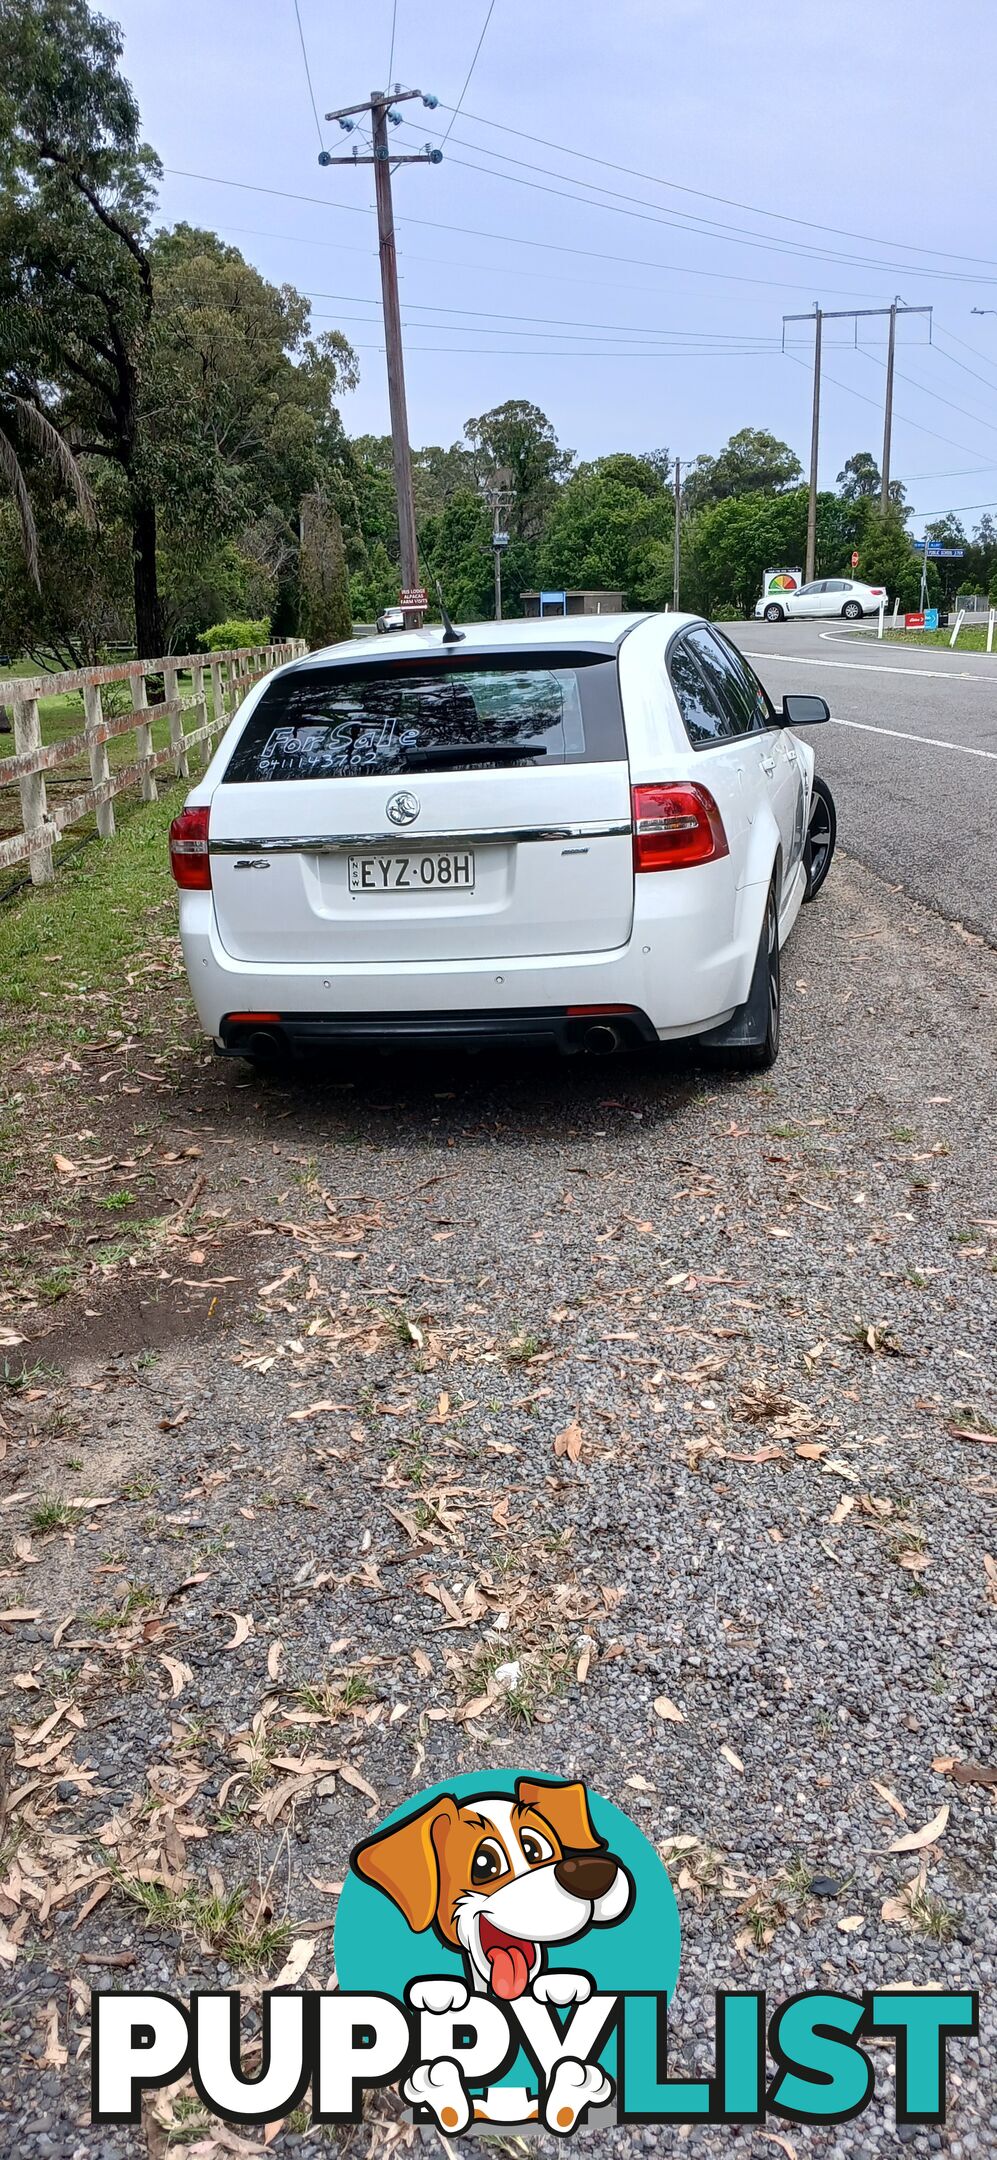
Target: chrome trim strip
[{"x": 395, "y": 842}]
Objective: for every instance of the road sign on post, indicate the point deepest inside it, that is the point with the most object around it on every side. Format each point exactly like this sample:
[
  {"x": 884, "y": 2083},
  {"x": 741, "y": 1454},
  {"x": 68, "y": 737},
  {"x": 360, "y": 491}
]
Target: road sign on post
[
  {"x": 413, "y": 596},
  {"x": 855, "y": 561}
]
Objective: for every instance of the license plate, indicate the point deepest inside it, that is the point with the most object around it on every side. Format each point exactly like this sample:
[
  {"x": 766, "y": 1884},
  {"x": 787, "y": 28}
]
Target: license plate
[{"x": 453, "y": 871}]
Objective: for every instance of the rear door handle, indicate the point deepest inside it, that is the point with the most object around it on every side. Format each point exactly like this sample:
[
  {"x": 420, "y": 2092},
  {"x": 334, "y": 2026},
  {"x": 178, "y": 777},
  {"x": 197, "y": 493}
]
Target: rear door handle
[{"x": 768, "y": 765}]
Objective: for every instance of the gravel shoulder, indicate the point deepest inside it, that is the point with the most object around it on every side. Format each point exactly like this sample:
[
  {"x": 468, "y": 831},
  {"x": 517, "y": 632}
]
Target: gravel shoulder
[{"x": 461, "y": 1413}]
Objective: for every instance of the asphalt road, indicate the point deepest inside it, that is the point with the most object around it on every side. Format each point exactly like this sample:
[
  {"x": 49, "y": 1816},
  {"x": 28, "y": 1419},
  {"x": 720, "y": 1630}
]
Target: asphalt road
[{"x": 911, "y": 756}]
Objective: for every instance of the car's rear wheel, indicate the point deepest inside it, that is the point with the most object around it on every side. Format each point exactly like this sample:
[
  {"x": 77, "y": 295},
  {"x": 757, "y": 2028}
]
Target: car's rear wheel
[
  {"x": 774, "y": 613},
  {"x": 822, "y": 832},
  {"x": 852, "y": 611},
  {"x": 757, "y": 1021}
]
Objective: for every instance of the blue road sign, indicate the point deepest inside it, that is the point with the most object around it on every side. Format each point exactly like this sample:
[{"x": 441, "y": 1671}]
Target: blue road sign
[
  {"x": 931, "y": 618},
  {"x": 935, "y": 550}
]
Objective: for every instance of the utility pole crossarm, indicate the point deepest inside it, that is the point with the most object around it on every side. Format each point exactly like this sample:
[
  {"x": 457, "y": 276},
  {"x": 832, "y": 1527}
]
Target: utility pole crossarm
[{"x": 387, "y": 97}]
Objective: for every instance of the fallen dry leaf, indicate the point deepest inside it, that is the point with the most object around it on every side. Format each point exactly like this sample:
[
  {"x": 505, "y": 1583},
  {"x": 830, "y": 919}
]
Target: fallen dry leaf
[
  {"x": 297, "y": 1961},
  {"x": 851, "y": 1923},
  {"x": 916, "y": 1839},
  {"x": 274, "y": 1655},
  {"x": 664, "y": 1708},
  {"x": 569, "y": 1442},
  {"x": 64, "y": 1166},
  {"x": 730, "y": 1757},
  {"x": 966, "y": 1773},
  {"x": 243, "y": 1629},
  {"x": 180, "y": 1675},
  {"x": 55, "y": 2055},
  {"x": 890, "y": 1798}
]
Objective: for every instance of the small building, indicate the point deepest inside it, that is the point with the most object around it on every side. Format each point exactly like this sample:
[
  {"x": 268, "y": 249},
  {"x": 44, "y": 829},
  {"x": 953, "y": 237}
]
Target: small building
[{"x": 572, "y": 603}]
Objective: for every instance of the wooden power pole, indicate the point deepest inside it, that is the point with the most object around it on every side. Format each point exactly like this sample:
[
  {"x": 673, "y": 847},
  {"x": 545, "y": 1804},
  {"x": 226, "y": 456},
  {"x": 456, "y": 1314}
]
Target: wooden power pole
[
  {"x": 884, "y": 500},
  {"x": 677, "y": 544},
  {"x": 380, "y": 107}
]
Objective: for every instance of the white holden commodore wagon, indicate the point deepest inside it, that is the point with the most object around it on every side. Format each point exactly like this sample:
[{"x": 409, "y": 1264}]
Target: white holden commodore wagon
[{"x": 592, "y": 833}]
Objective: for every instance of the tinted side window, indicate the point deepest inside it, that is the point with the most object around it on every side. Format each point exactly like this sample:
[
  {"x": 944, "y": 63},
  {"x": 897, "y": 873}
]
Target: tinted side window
[
  {"x": 834, "y": 584},
  {"x": 764, "y": 713},
  {"x": 704, "y": 713},
  {"x": 727, "y": 684}
]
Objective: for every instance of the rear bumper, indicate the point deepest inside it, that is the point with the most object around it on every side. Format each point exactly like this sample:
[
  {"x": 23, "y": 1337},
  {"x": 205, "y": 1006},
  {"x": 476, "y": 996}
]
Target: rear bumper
[
  {"x": 686, "y": 966},
  {"x": 600, "y": 1029}
]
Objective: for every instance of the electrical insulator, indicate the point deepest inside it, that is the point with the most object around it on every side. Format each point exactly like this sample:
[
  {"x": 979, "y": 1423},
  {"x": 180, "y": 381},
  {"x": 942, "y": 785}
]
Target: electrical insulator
[
  {"x": 435, "y": 156},
  {"x": 347, "y": 126},
  {"x": 430, "y": 101},
  {"x": 395, "y": 119}
]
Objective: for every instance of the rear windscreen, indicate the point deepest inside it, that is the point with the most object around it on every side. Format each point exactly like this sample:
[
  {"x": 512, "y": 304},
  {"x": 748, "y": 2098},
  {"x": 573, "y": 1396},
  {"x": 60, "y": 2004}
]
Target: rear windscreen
[{"x": 443, "y": 715}]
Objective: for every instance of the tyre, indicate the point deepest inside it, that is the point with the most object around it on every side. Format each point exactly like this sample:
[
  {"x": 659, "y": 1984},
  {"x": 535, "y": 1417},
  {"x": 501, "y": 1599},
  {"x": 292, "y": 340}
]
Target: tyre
[
  {"x": 852, "y": 611},
  {"x": 749, "y": 1042},
  {"x": 822, "y": 833},
  {"x": 774, "y": 613}
]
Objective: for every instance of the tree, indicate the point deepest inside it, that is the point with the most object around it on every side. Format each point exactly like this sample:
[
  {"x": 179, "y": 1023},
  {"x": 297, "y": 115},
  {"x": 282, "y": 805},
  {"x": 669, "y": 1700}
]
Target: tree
[
  {"x": 25, "y": 428},
  {"x": 456, "y": 547},
  {"x": 82, "y": 599},
  {"x": 886, "y": 557},
  {"x": 518, "y": 440},
  {"x": 859, "y": 476},
  {"x": 608, "y": 529},
  {"x": 326, "y": 614},
  {"x": 75, "y": 274},
  {"x": 860, "y": 480},
  {"x": 752, "y": 462}
]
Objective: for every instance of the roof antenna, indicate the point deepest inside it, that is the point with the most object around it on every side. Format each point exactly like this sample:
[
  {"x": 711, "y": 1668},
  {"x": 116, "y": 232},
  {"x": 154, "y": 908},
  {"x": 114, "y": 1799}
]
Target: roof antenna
[{"x": 451, "y": 635}]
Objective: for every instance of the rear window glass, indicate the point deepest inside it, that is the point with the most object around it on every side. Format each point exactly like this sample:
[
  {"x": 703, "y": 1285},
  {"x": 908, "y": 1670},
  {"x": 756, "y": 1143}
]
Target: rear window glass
[{"x": 442, "y": 715}]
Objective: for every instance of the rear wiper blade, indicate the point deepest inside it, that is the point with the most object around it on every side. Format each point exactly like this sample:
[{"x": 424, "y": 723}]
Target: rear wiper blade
[{"x": 459, "y": 753}]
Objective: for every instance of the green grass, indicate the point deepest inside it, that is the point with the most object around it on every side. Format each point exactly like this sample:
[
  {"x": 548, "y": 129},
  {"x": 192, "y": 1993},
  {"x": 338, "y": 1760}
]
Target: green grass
[
  {"x": 969, "y": 639},
  {"x": 81, "y": 931}
]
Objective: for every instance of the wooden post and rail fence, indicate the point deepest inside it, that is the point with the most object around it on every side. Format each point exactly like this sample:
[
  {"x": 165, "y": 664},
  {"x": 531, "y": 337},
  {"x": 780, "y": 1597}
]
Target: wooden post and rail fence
[{"x": 219, "y": 682}]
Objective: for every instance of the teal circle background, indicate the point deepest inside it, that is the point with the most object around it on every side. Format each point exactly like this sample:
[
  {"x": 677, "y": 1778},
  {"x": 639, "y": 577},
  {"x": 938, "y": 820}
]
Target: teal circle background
[{"x": 375, "y": 1949}]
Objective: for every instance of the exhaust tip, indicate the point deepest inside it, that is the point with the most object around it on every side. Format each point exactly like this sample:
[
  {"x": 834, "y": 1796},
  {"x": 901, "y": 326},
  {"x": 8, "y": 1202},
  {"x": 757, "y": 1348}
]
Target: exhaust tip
[{"x": 601, "y": 1040}]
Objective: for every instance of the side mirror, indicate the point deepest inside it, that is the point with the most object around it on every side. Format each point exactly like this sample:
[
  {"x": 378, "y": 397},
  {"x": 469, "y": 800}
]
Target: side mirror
[{"x": 801, "y": 710}]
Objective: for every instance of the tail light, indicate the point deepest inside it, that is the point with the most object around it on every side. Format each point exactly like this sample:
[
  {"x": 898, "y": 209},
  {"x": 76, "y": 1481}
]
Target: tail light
[
  {"x": 189, "y": 858},
  {"x": 676, "y": 825},
  {"x": 877, "y": 591}
]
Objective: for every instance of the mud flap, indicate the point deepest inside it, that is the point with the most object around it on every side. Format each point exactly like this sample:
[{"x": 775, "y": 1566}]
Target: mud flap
[{"x": 748, "y": 1025}]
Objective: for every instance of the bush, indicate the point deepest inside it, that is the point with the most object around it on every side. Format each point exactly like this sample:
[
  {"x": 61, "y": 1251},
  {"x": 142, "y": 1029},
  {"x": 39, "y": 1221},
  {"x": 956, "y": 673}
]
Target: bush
[
  {"x": 234, "y": 635},
  {"x": 992, "y": 595}
]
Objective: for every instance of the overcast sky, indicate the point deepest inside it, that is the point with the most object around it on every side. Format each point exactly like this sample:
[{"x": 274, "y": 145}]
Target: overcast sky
[{"x": 870, "y": 116}]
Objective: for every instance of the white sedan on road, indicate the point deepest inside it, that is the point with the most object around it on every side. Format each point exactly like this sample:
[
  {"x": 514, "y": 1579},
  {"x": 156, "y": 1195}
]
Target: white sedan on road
[
  {"x": 824, "y": 596},
  {"x": 593, "y": 833}
]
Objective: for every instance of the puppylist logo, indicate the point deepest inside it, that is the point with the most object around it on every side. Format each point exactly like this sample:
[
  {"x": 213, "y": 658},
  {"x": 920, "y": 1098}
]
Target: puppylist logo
[{"x": 506, "y": 1949}]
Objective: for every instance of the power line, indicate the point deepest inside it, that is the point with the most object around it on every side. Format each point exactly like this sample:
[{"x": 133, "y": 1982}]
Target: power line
[
  {"x": 651, "y": 214},
  {"x": 391, "y": 54},
  {"x": 682, "y": 221},
  {"x": 956, "y": 362},
  {"x": 929, "y": 392},
  {"x": 957, "y": 511},
  {"x": 506, "y": 352},
  {"x": 453, "y": 110},
  {"x": 547, "y": 247},
  {"x": 558, "y": 322},
  {"x": 905, "y": 417},
  {"x": 308, "y": 74},
  {"x": 729, "y": 202},
  {"x": 974, "y": 349}
]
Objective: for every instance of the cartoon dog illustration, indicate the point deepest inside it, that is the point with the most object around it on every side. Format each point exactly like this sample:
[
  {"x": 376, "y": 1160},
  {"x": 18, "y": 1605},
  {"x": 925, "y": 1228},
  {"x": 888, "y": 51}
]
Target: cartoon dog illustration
[{"x": 502, "y": 1880}]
